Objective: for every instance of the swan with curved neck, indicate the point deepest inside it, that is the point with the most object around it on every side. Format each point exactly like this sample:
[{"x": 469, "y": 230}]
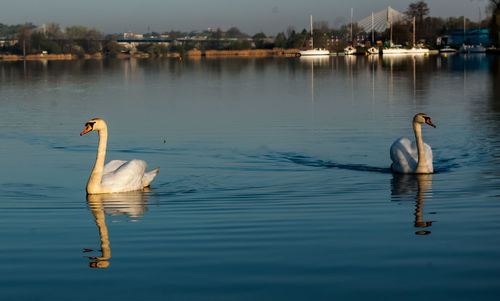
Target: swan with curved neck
[
  {"x": 413, "y": 157},
  {"x": 116, "y": 175}
]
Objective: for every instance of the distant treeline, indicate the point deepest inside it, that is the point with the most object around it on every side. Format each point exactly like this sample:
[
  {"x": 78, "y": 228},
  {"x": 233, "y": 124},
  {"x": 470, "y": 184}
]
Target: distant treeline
[{"x": 80, "y": 40}]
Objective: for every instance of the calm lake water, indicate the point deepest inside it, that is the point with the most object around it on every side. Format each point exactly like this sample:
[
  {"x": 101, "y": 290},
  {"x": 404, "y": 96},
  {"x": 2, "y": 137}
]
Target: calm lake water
[{"x": 274, "y": 180}]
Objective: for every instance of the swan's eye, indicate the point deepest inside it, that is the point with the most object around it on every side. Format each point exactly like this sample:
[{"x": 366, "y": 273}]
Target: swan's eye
[
  {"x": 91, "y": 124},
  {"x": 429, "y": 122}
]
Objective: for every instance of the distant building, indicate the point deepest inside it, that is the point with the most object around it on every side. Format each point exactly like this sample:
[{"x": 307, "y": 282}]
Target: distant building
[
  {"x": 4, "y": 42},
  {"x": 132, "y": 36},
  {"x": 468, "y": 37},
  {"x": 131, "y": 40}
]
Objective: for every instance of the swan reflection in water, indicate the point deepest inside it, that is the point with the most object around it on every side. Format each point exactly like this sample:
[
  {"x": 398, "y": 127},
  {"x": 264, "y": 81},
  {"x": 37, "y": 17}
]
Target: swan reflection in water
[
  {"x": 130, "y": 204},
  {"x": 418, "y": 187}
]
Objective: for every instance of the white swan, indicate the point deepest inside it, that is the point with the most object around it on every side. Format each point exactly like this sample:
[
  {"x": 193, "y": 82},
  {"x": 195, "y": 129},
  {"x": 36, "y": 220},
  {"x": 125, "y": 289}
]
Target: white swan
[
  {"x": 413, "y": 156},
  {"x": 117, "y": 175}
]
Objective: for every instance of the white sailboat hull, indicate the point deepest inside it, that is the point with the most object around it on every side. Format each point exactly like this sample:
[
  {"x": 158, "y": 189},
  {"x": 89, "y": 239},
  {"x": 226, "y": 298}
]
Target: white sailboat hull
[
  {"x": 314, "y": 52},
  {"x": 373, "y": 50},
  {"x": 349, "y": 50},
  {"x": 447, "y": 49},
  {"x": 472, "y": 49},
  {"x": 405, "y": 51},
  {"x": 418, "y": 50}
]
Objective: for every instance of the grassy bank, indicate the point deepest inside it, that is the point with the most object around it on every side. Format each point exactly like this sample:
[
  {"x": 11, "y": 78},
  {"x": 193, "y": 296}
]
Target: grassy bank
[
  {"x": 244, "y": 53},
  {"x": 53, "y": 57},
  {"x": 190, "y": 53}
]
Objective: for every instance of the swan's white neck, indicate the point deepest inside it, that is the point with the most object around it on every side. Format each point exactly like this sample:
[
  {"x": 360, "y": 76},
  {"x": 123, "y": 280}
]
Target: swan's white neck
[
  {"x": 422, "y": 163},
  {"x": 94, "y": 183}
]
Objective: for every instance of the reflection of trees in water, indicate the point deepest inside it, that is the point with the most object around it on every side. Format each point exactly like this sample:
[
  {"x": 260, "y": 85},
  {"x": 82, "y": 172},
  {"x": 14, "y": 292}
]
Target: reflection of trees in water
[
  {"x": 484, "y": 105},
  {"x": 469, "y": 62},
  {"x": 413, "y": 187},
  {"x": 415, "y": 72},
  {"x": 131, "y": 205},
  {"x": 215, "y": 66},
  {"x": 412, "y": 74},
  {"x": 492, "y": 121},
  {"x": 218, "y": 66},
  {"x": 50, "y": 69},
  {"x": 494, "y": 99}
]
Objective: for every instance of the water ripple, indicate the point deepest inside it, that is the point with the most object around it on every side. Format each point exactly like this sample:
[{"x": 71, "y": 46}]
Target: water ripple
[{"x": 441, "y": 165}]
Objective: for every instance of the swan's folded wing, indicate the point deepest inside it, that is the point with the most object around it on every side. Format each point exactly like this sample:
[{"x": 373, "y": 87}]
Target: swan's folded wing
[
  {"x": 428, "y": 157},
  {"x": 403, "y": 150},
  {"x": 127, "y": 177},
  {"x": 428, "y": 152},
  {"x": 404, "y": 155},
  {"x": 111, "y": 166}
]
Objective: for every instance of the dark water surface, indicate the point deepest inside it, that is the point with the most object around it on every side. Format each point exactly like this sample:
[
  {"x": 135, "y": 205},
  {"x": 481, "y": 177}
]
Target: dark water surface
[{"x": 274, "y": 180}]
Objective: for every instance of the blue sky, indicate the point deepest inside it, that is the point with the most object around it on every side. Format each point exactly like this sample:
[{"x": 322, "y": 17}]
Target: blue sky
[{"x": 251, "y": 16}]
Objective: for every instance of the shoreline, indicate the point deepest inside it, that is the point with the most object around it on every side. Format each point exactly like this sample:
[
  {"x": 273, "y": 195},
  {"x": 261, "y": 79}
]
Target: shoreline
[
  {"x": 51, "y": 57},
  {"x": 194, "y": 54},
  {"x": 189, "y": 54}
]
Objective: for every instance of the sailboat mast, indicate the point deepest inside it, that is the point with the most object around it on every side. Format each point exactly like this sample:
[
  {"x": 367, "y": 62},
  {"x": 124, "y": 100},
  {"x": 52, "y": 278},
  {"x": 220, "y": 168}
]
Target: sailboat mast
[
  {"x": 464, "y": 30},
  {"x": 373, "y": 37},
  {"x": 390, "y": 23},
  {"x": 479, "y": 21},
  {"x": 351, "y": 23},
  {"x": 312, "y": 40},
  {"x": 413, "y": 31}
]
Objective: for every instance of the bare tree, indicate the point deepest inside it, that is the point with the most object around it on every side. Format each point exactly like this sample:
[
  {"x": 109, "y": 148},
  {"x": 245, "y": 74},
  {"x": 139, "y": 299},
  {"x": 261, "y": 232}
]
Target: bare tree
[
  {"x": 494, "y": 3},
  {"x": 345, "y": 31},
  {"x": 259, "y": 40},
  {"x": 419, "y": 10},
  {"x": 234, "y": 32},
  {"x": 175, "y": 34},
  {"x": 52, "y": 31},
  {"x": 76, "y": 32},
  {"x": 290, "y": 31},
  {"x": 321, "y": 26},
  {"x": 24, "y": 37},
  {"x": 494, "y": 26}
]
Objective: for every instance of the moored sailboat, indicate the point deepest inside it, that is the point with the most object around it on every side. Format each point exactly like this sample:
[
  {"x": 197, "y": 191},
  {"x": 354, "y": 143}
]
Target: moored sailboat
[
  {"x": 350, "y": 50},
  {"x": 399, "y": 50},
  {"x": 314, "y": 51},
  {"x": 466, "y": 48},
  {"x": 373, "y": 49},
  {"x": 447, "y": 49}
]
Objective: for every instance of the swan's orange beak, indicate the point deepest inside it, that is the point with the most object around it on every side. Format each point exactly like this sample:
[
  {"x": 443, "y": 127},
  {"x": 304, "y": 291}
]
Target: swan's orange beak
[
  {"x": 87, "y": 129},
  {"x": 429, "y": 122}
]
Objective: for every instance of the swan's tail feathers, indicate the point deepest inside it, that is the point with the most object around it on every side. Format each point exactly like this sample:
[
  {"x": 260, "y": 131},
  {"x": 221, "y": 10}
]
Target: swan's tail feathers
[{"x": 149, "y": 176}]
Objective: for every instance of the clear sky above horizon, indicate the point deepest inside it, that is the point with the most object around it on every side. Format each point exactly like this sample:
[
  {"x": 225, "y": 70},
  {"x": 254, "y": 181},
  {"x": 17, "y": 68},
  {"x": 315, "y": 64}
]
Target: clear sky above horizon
[{"x": 250, "y": 16}]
